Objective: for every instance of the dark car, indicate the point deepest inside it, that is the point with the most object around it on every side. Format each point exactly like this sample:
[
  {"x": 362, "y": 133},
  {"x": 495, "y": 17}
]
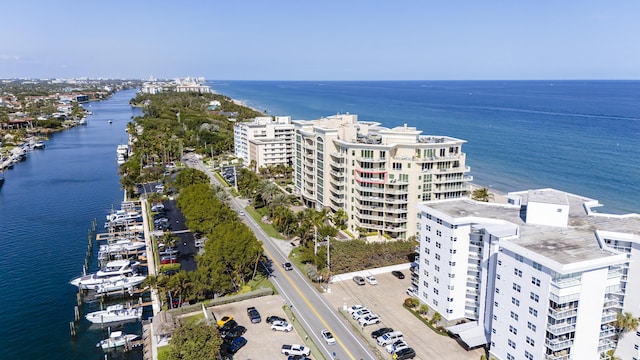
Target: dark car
[
  {"x": 398, "y": 274},
  {"x": 406, "y": 353},
  {"x": 233, "y": 346},
  {"x": 381, "y": 332},
  {"x": 287, "y": 266},
  {"x": 298, "y": 357},
  {"x": 234, "y": 333},
  {"x": 271, "y": 319},
  {"x": 228, "y": 326},
  {"x": 254, "y": 315}
]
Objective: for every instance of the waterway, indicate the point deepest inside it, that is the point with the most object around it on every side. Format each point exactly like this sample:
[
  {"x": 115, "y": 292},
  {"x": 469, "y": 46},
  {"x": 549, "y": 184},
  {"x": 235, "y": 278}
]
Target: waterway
[{"x": 47, "y": 205}]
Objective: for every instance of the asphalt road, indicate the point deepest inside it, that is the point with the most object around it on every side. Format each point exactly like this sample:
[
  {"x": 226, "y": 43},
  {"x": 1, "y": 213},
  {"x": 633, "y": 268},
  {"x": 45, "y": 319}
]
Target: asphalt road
[{"x": 306, "y": 303}]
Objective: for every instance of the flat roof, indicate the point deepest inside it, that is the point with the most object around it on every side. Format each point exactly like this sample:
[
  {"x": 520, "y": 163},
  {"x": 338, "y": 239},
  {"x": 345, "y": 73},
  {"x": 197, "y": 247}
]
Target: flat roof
[{"x": 565, "y": 245}]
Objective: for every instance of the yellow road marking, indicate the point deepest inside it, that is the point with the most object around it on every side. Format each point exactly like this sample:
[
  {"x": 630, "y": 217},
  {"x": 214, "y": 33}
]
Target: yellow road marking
[{"x": 308, "y": 303}]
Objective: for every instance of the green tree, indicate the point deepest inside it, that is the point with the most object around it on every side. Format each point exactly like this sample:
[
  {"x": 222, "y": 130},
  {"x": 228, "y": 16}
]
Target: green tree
[
  {"x": 195, "y": 341},
  {"x": 189, "y": 177},
  {"x": 626, "y": 322}
]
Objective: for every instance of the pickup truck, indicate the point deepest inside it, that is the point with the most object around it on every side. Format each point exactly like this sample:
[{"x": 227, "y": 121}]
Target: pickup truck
[
  {"x": 254, "y": 315},
  {"x": 295, "y": 349}
]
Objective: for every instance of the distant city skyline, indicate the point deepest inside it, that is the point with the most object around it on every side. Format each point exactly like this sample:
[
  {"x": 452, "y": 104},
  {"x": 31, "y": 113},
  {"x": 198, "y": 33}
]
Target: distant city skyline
[{"x": 329, "y": 40}]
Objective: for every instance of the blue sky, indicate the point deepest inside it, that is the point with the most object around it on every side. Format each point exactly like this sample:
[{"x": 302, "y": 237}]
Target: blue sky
[{"x": 321, "y": 40}]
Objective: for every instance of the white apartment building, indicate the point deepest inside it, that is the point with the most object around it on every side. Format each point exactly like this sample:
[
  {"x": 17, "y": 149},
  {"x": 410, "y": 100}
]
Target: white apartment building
[
  {"x": 377, "y": 175},
  {"x": 541, "y": 278},
  {"x": 266, "y": 140}
]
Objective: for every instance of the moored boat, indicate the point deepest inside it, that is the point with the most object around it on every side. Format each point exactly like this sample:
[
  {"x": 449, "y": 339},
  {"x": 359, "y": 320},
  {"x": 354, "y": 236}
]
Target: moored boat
[
  {"x": 112, "y": 271},
  {"x": 115, "y": 313},
  {"x": 116, "y": 339},
  {"x": 125, "y": 283}
]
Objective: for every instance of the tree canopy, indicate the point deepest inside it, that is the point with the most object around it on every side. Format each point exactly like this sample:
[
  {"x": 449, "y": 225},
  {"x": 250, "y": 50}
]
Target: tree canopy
[{"x": 195, "y": 341}]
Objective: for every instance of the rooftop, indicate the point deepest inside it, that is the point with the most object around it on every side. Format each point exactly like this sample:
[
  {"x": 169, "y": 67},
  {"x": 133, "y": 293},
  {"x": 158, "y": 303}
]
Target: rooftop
[{"x": 577, "y": 242}]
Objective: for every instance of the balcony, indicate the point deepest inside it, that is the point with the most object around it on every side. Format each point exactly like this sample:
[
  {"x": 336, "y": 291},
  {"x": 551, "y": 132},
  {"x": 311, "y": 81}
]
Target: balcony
[
  {"x": 563, "y": 313},
  {"x": 562, "y": 328},
  {"x": 606, "y": 345},
  {"x": 607, "y": 331},
  {"x": 395, "y": 220},
  {"x": 558, "y": 344},
  {"x": 338, "y": 155},
  {"x": 558, "y": 356},
  {"x": 393, "y": 200},
  {"x": 609, "y": 316},
  {"x": 397, "y": 191},
  {"x": 370, "y": 160}
]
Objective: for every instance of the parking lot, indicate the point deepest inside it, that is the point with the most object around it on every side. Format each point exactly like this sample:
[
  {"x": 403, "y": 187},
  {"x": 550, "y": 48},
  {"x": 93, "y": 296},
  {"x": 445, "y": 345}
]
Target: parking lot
[
  {"x": 385, "y": 299},
  {"x": 262, "y": 342}
]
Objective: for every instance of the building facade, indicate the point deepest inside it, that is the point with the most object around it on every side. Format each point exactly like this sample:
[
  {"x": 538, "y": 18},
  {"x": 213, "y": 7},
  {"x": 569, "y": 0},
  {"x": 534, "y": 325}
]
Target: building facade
[
  {"x": 377, "y": 175},
  {"x": 266, "y": 140},
  {"x": 541, "y": 278}
]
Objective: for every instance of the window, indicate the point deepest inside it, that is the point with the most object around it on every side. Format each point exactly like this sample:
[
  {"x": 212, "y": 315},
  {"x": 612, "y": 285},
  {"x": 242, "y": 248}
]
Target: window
[
  {"x": 426, "y": 262},
  {"x": 511, "y": 343},
  {"x": 428, "y": 228},
  {"x": 498, "y": 276},
  {"x": 397, "y": 166},
  {"x": 428, "y": 239},
  {"x": 531, "y": 326},
  {"x": 513, "y": 330},
  {"x": 436, "y": 267},
  {"x": 519, "y": 258},
  {"x": 516, "y": 287},
  {"x": 427, "y": 250},
  {"x": 435, "y": 291},
  {"x": 515, "y": 301},
  {"x": 535, "y": 281},
  {"x": 528, "y": 355},
  {"x": 530, "y": 341},
  {"x": 517, "y": 272},
  {"x": 537, "y": 266},
  {"x": 450, "y": 287},
  {"x": 493, "y": 331},
  {"x": 438, "y": 233},
  {"x": 514, "y": 316},
  {"x": 435, "y": 302},
  {"x": 452, "y": 263},
  {"x": 534, "y": 297},
  {"x": 426, "y": 284},
  {"x": 436, "y": 280},
  {"x": 499, "y": 262},
  {"x": 450, "y": 299},
  {"x": 533, "y": 311},
  {"x": 452, "y": 251},
  {"x": 497, "y": 291},
  {"x": 438, "y": 245},
  {"x": 510, "y": 357},
  {"x": 495, "y": 303},
  {"x": 454, "y": 239},
  {"x": 451, "y": 276},
  {"x": 449, "y": 311},
  {"x": 437, "y": 256},
  {"x": 495, "y": 317}
]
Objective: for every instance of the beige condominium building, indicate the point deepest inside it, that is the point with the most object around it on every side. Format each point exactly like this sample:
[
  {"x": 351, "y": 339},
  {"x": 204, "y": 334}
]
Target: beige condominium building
[{"x": 376, "y": 174}]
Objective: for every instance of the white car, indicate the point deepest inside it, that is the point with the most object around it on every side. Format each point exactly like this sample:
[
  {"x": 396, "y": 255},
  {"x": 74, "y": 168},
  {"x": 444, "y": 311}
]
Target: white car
[
  {"x": 241, "y": 213},
  {"x": 355, "y": 308},
  {"x": 281, "y": 326},
  {"x": 360, "y": 313},
  {"x": 396, "y": 346},
  {"x": 328, "y": 337},
  {"x": 369, "y": 320},
  {"x": 372, "y": 280}
]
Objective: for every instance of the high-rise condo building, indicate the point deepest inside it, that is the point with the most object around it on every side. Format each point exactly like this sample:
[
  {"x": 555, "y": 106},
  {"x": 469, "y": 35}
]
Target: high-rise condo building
[
  {"x": 266, "y": 140},
  {"x": 543, "y": 277},
  {"x": 376, "y": 174}
]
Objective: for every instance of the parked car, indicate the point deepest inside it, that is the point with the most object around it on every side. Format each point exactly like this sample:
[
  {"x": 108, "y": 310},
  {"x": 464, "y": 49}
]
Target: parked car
[
  {"x": 389, "y": 338},
  {"x": 360, "y": 313},
  {"x": 376, "y": 333},
  {"x": 281, "y": 326},
  {"x": 271, "y": 319},
  {"x": 397, "y": 274},
  {"x": 396, "y": 346},
  {"x": 234, "y": 333},
  {"x": 328, "y": 337},
  {"x": 287, "y": 266},
  {"x": 358, "y": 280},
  {"x": 170, "y": 259},
  {"x": 295, "y": 349},
  {"x": 403, "y": 354},
  {"x": 297, "y": 357},
  {"x": 411, "y": 292},
  {"x": 254, "y": 315},
  {"x": 369, "y": 320},
  {"x": 235, "y": 345},
  {"x": 224, "y": 320},
  {"x": 372, "y": 280},
  {"x": 355, "y": 308}
]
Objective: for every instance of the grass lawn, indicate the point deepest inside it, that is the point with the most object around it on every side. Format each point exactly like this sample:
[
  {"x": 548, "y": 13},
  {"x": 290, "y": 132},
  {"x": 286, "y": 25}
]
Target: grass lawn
[
  {"x": 267, "y": 228},
  {"x": 261, "y": 281},
  {"x": 163, "y": 352}
]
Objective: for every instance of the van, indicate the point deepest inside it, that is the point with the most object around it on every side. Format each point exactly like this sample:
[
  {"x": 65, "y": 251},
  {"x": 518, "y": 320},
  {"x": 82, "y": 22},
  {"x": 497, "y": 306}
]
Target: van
[
  {"x": 390, "y": 338},
  {"x": 359, "y": 280}
]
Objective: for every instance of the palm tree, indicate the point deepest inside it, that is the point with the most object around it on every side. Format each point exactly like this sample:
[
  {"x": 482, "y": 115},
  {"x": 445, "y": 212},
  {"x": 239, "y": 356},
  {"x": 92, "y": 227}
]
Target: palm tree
[
  {"x": 626, "y": 322},
  {"x": 267, "y": 191},
  {"x": 482, "y": 194},
  {"x": 220, "y": 193}
]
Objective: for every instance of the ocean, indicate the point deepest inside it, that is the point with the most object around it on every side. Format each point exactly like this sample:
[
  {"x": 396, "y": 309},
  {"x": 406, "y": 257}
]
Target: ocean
[
  {"x": 582, "y": 137},
  {"x": 47, "y": 204}
]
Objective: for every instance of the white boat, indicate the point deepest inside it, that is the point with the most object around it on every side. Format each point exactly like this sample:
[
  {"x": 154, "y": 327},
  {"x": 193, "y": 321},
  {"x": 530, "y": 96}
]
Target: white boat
[
  {"x": 111, "y": 272},
  {"x": 116, "y": 339},
  {"x": 125, "y": 283},
  {"x": 115, "y": 313},
  {"x": 121, "y": 245},
  {"x": 122, "y": 153},
  {"x": 123, "y": 215}
]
